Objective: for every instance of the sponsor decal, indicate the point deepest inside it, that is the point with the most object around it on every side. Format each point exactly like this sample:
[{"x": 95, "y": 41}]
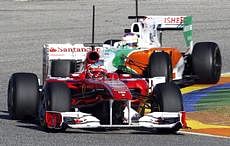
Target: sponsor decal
[
  {"x": 118, "y": 86},
  {"x": 174, "y": 20},
  {"x": 83, "y": 49}
]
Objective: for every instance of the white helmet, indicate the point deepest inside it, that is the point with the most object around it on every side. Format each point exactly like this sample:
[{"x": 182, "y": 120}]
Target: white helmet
[{"x": 131, "y": 39}]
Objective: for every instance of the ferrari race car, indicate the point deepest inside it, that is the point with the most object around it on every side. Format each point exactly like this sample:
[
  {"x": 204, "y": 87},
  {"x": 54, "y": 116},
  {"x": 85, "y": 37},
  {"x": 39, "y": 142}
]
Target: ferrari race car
[
  {"x": 141, "y": 52},
  {"x": 84, "y": 94}
]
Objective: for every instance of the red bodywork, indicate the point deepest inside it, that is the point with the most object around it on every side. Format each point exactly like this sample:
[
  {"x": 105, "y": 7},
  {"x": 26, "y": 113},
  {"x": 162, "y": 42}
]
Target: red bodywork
[
  {"x": 92, "y": 88},
  {"x": 101, "y": 99},
  {"x": 89, "y": 90}
]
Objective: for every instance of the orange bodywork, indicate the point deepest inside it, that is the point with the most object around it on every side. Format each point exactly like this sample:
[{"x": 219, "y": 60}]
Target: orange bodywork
[{"x": 138, "y": 60}]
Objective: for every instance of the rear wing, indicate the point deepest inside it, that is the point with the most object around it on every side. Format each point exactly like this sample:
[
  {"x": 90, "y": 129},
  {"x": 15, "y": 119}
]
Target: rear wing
[
  {"x": 162, "y": 23},
  {"x": 74, "y": 52},
  {"x": 68, "y": 51}
]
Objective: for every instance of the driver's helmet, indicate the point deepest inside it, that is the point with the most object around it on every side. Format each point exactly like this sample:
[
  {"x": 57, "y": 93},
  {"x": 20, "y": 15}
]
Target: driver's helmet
[
  {"x": 130, "y": 39},
  {"x": 95, "y": 71}
]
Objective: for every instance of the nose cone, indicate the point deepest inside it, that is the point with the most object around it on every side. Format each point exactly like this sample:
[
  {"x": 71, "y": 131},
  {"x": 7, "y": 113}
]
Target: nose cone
[{"x": 118, "y": 89}]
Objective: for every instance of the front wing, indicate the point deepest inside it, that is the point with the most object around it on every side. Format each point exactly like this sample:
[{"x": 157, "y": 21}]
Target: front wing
[{"x": 169, "y": 120}]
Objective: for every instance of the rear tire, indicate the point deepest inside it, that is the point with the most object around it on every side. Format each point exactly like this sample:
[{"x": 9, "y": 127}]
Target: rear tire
[
  {"x": 23, "y": 96},
  {"x": 160, "y": 65},
  {"x": 206, "y": 62},
  {"x": 62, "y": 68}
]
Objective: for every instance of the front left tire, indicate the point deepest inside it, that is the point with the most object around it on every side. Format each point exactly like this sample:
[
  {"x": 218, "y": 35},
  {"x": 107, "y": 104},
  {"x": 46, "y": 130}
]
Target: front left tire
[{"x": 168, "y": 98}]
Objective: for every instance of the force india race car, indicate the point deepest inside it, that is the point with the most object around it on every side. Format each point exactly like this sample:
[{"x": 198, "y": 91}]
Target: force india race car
[
  {"x": 86, "y": 95},
  {"x": 141, "y": 52}
]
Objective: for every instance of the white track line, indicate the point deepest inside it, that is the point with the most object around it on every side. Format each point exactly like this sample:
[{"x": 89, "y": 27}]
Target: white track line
[{"x": 202, "y": 134}]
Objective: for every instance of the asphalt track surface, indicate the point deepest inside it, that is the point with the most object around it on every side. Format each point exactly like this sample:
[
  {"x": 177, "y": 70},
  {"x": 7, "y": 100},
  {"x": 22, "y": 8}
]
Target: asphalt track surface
[{"x": 26, "y": 26}]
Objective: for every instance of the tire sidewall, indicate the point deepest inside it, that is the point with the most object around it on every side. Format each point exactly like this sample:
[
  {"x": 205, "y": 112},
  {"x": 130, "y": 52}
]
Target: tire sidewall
[
  {"x": 23, "y": 95},
  {"x": 206, "y": 62},
  {"x": 160, "y": 65},
  {"x": 10, "y": 99},
  {"x": 61, "y": 68},
  {"x": 168, "y": 97},
  {"x": 48, "y": 97}
]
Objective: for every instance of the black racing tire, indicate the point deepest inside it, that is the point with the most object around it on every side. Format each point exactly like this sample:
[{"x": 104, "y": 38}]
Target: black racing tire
[
  {"x": 23, "y": 96},
  {"x": 160, "y": 65},
  {"x": 56, "y": 97},
  {"x": 111, "y": 42},
  {"x": 62, "y": 68},
  {"x": 168, "y": 97},
  {"x": 206, "y": 62}
]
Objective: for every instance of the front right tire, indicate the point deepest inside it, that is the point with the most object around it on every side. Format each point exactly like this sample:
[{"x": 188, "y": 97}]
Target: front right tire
[
  {"x": 56, "y": 97},
  {"x": 23, "y": 96}
]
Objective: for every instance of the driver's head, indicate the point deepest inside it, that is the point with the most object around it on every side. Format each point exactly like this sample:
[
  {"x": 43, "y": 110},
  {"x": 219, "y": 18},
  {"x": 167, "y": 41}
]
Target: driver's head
[
  {"x": 131, "y": 39},
  {"x": 96, "y": 70}
]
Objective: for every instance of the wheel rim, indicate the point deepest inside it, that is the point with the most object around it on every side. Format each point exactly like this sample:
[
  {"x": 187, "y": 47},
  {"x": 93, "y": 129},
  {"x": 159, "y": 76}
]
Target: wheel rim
[{"x": 217, "y": 63}]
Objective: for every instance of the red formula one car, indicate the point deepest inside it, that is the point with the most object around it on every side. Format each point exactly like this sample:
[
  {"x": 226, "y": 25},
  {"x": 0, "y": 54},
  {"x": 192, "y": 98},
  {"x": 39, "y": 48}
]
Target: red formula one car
[{"x": 92, "y": 97}]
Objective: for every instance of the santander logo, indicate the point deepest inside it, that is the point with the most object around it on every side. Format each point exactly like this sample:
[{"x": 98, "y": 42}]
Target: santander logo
[
  {"x": 82, "y": 49},
  {"x": 52, "y": 50}
]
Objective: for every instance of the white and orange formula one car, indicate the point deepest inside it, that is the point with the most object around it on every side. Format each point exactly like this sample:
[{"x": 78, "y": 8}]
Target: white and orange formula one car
[
  {"x": 86, "y": 95},
  {"x": 141, "y": 52}
]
